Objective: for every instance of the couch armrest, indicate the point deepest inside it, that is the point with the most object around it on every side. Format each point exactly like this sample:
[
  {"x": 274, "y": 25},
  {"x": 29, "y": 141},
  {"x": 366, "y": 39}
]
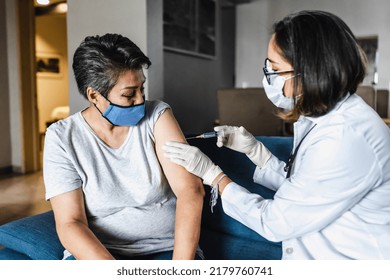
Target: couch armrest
[{"x": 34, "y": 236}]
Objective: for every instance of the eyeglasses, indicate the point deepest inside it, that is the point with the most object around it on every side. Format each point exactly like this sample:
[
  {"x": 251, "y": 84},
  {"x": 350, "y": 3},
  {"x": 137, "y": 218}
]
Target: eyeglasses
[{"x": 268, "y": 73}]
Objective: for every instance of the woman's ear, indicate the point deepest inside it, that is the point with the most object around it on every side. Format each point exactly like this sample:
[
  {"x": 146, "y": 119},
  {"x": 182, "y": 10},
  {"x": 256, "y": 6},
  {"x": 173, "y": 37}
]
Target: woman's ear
[{"x": 92, "y": 95}]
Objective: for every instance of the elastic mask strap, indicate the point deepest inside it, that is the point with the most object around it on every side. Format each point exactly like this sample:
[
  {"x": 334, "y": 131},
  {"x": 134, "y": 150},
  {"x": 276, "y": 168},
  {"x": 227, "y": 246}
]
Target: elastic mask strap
[
  {"x": 296, "y": 97},
  {"x": 105, "y": 99},
  {"x": 98, "y": 109},
  {"x": 293, "y": 76}
]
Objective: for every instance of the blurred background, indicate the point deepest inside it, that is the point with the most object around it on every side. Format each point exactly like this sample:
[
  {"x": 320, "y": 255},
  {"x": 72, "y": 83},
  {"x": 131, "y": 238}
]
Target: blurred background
[{"x": 207, "y": 58}]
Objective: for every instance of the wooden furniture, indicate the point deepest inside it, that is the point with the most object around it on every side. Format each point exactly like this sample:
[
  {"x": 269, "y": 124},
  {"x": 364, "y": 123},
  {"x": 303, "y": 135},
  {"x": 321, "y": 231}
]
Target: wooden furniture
[{"x": 250, "y": 108}]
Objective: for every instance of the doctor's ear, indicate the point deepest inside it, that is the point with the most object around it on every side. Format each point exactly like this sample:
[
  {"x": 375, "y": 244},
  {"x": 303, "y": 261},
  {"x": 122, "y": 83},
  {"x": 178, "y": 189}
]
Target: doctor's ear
[{"x": 92, "y": 94}]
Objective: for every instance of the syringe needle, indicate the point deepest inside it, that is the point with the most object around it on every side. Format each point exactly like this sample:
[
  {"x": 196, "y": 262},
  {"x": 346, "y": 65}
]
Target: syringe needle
[
  {"x": 207, "y": 135},
  {"x": 204, "y": 135}
]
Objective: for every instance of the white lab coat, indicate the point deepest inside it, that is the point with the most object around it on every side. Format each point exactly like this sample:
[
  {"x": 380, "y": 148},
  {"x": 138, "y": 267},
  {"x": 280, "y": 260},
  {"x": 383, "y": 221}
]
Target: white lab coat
[{"x": 336, "y": 204}]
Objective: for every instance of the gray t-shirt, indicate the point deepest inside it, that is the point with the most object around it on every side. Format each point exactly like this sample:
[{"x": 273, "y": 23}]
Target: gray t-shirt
[{"x": 129, "y": 203}]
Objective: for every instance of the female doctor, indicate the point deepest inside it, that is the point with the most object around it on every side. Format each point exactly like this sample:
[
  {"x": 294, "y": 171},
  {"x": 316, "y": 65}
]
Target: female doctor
[{"x": 332, "y": 197}]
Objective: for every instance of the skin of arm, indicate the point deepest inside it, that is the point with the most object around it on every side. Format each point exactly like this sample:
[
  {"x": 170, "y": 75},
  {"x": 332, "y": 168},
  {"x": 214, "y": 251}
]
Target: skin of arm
[
  {"x": 188, "y": 189},
  {"x": 72, "y": 227}
]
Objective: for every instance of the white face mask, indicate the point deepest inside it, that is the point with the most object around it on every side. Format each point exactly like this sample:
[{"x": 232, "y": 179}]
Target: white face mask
[{"x": 274, "y": 92}]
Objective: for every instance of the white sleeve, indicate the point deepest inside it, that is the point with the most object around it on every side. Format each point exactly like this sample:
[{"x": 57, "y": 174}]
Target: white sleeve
[
  {"x": 59, "y": 173},
  {"x": 271, "y": 175},
  {"x": 329, "y": 179},
  {"x": 153, "y": 111}
]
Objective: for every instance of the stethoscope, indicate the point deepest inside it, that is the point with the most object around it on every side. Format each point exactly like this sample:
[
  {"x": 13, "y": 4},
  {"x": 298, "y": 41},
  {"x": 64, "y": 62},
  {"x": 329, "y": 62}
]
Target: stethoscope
[{"x": 292, "y": 156}]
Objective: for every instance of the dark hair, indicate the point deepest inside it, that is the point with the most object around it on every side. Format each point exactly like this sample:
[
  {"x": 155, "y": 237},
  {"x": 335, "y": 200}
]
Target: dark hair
[
  {"x": 324, "y": 51},
  {"x": 100, "y": 60}
]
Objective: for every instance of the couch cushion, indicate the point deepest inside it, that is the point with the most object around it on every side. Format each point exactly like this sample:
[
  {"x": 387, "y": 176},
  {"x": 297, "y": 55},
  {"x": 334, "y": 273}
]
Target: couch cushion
[
  {"x": 221, "y": 246},
  {"x": 8, "y": 254},
  {"x": 33, "y": 236}
]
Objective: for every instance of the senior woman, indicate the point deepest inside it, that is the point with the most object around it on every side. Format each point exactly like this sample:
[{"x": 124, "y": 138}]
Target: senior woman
[
  {"x": 113, "y": 194},
  {"x": 332, "y": 197}
]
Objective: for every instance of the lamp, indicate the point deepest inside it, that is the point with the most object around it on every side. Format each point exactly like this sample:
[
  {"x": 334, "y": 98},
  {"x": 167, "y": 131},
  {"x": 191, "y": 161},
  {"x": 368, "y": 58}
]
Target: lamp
[
  {"x": 43, "y": 2},
  {"x": 59, "y": 8}
]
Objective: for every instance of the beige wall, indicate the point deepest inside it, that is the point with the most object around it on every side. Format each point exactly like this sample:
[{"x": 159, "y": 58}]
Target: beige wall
[
  {"x": 5, "y": 140},
  {"x": 97, "y": 17},
  {"x": 14, "y": 89},
  {"x": 52, "y": 90},
  {"x": 254, "y": 22},
  {"x": 126, "y": 17}
]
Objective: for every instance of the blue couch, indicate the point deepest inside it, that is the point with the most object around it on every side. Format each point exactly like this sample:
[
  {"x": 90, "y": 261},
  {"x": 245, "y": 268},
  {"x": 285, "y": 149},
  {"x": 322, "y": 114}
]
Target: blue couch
[{"x": 222, "y": 237}]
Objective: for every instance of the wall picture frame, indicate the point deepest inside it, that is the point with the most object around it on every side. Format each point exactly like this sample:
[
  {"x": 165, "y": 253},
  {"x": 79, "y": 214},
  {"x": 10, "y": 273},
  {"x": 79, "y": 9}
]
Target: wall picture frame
[
  {"x": 48, "y": 65},
  {"x": 190, "y": 27},
  {"x": 369, "y": 44}
]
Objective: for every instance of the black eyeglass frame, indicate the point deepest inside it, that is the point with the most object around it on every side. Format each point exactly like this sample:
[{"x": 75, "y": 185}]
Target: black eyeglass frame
[{"x": 267, "y": 74}]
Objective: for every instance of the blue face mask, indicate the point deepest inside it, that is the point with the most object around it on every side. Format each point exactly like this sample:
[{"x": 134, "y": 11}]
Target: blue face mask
[{"x": 124, "y": 115}]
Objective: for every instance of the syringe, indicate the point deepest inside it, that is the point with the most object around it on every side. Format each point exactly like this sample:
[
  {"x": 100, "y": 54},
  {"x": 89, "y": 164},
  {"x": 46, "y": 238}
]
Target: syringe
[{"x": 208, "y": 135}]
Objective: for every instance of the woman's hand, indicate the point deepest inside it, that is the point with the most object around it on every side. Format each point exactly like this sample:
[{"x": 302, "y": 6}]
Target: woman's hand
[{"x": 192, "y": 159}]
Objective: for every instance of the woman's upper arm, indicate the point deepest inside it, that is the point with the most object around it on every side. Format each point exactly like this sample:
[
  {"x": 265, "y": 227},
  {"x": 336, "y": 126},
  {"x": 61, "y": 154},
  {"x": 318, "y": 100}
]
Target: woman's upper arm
[
  {"x": 69, "y": 207},
  {"x": 167, "y": 129}
]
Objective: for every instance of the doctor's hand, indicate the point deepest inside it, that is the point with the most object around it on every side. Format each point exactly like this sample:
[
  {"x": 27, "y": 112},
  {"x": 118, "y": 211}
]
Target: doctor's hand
[
  {"x": 240, "y": 140},
  {"x": 192, "y": 159}
]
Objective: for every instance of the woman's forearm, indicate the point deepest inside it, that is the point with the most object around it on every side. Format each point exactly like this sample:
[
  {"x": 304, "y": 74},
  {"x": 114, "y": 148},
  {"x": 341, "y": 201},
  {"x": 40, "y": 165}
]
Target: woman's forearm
[
  {"x": 79, "y": 240},
  {"x": 187, "y": 226}
]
